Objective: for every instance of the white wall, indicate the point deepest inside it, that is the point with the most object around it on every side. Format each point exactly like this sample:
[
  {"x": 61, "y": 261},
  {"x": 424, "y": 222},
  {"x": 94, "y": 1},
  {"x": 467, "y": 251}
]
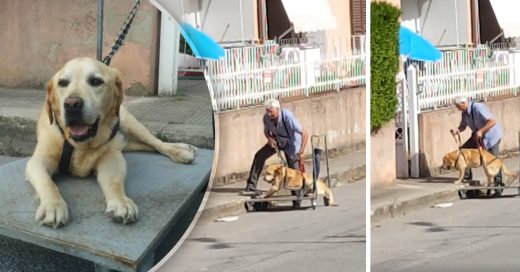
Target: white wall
[
  {"x": 436, "y": 20},
  {"x": 216, "y": 15}
]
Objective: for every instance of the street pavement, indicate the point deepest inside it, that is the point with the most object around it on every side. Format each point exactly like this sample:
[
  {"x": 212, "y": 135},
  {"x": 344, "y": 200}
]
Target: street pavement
[
  {"x": 326, "y": 239},
  {"x": 472, "y": 235}
]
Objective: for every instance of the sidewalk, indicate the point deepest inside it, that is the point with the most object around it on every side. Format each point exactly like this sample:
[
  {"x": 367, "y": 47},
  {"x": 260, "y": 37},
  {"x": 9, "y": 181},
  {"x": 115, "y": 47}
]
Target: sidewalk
[
  {"x": 414, "y": 194},
  {"x": 226, "y": 200},
  {"x": 186, "y": 117}
]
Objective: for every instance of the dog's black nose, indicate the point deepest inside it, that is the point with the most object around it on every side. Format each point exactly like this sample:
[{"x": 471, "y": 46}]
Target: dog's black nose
[{"x": 73, "y": 104}]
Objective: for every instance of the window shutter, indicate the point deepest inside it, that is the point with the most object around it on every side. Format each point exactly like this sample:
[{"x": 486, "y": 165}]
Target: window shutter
[{"x": 357, "y": 13}]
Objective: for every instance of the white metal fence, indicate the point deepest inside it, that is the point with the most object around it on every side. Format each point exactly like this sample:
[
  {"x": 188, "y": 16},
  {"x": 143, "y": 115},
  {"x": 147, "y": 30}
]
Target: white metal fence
[
  {"x": 248, "y": 76},
  {"x": 473, "y": 72}
]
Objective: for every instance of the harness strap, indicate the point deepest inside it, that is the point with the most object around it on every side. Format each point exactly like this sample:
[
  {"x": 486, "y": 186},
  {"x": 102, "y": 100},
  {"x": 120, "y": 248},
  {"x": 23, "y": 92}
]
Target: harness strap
[
  {"x": 463, "y": 156},
  {"x": 66, "y": 157}
]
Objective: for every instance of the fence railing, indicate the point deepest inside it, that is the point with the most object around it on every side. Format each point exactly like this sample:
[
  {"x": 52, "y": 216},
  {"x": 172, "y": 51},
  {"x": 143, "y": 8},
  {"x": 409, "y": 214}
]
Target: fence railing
[
  {"x": 247, "y": 76},
  {"x": 472, "y": 72}
]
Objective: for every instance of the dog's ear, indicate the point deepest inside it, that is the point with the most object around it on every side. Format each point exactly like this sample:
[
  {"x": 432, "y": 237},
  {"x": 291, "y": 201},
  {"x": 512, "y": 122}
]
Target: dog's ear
[
  {"x": 48, "y": 100},
  {"x": 119, "y": 94}
]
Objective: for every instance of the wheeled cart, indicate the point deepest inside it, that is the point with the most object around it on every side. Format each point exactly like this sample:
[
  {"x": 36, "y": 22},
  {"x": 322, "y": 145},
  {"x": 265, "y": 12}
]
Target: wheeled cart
[{"x": 256, "y": 203}]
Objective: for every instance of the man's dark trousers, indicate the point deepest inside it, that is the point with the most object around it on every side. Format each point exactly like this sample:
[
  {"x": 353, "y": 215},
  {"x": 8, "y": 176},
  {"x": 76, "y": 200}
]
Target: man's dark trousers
[
  {"x": 258, "y": 164},
  {"x": 471, "y": 143}
]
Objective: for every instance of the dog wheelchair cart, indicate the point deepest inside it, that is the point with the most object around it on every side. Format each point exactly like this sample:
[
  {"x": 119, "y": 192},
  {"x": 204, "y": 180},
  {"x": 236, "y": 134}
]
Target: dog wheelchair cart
[{"x": 256, "y": 203}]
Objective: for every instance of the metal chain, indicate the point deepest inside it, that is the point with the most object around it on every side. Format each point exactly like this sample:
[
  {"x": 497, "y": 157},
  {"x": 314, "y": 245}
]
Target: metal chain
[{"x": 122, "y": 33}]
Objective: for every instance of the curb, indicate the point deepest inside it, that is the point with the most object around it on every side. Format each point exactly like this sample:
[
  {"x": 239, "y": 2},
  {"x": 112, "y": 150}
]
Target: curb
[
  {"x": 18, "y": 137},
  {"x": 237, "y": 207},
  {"x": 351, "y": 175},
  {"x": 401, "y": 208}
]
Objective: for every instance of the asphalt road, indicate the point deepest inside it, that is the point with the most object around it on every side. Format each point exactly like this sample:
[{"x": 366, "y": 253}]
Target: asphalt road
[
  {"x": 327, "y": 239},
  {"x": 472, "y": 235}
]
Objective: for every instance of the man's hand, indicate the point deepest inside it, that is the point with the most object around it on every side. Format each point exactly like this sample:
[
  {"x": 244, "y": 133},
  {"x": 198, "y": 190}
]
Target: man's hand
[
  {"x": 478, "y": 136},
  {"x": 271, "y": 142},
  {"x": 299, "y": 156}
]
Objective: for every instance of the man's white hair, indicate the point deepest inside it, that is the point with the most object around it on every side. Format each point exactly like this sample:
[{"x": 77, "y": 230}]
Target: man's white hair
[
  {"x": 461, "y": 99},
  {"x": 272, "y": 103}
]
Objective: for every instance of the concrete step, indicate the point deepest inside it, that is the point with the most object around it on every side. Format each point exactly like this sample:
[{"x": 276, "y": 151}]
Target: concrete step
[
  {"x": 161, "y": 188},
  {"x": 346, "y": 168},
  {"x": 187, "y": 117}
]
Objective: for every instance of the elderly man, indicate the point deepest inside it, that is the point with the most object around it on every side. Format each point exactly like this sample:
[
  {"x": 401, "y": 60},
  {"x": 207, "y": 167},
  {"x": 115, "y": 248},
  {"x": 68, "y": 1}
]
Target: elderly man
[
  {"x": 282, "y": 130},
  {"x": 485, "y": 130}
]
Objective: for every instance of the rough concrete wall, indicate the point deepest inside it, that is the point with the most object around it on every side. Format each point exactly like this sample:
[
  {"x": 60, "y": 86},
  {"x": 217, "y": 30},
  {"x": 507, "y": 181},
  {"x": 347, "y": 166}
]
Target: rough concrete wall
[
  {"x": 38, "y": 37},
  {"x": 435, "y": 139},
  {"x": 341, "y": 116},
  {"x": 382, "y": 152},
  {"x": 339, "y": 38}
]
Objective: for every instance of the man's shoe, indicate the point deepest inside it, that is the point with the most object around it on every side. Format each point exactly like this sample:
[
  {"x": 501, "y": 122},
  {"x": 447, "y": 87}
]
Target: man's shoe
[{"x": 249, "y": 192}]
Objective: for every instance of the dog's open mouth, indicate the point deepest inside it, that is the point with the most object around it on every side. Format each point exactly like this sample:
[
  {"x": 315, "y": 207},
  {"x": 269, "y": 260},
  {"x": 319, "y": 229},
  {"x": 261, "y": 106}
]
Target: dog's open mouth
[
  {"x": 80, "y": 132},
  {"x": 444, "y": 169}
]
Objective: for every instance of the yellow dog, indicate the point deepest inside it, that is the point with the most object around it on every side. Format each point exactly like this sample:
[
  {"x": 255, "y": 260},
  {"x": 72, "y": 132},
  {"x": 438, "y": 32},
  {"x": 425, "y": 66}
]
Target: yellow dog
[
  {"x": 277, "y": 175},
  {"x": 472, "y": 157},
  {"x": 83, "y": 111}
]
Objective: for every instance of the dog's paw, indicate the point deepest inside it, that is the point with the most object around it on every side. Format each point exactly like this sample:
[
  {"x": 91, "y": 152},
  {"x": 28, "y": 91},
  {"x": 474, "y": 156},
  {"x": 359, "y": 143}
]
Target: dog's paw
[
  {"x": 182, "y": 156},
  {"x": 122, "y": 211},
  {"x": 52, "y": 213}
]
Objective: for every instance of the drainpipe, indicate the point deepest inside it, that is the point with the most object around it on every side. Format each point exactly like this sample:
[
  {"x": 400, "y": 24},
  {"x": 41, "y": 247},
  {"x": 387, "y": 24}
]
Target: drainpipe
[
  {"x": 242, "y": 21},
  {"x": 476, "y": 22},
  {"x": 99, "y": 49},
  {"x": 456, "y": 21}
]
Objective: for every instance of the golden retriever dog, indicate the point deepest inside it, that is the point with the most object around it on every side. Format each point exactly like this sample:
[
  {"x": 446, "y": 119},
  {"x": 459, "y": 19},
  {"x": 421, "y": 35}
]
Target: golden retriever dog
[
  {"x": 471, "y": 157},
  {"x": 83, "y": 109},
  {"x": 278, "y": 175}
]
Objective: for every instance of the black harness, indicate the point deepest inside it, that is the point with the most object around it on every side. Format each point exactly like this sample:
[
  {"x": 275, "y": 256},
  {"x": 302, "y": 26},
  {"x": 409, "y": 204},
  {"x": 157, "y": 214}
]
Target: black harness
[{"x": 66, "y": 153}]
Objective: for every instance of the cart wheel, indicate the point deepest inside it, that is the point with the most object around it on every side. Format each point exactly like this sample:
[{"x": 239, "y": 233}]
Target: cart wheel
[
  {"x": 261, "y": 206},
  {"x": 326, "y": 201},
  {"x": 463, "y": 194},
  {"x": 498, "y": 192},
  {"x": 518, "y": 190},
  {"x": 250, "y": 207},
  {"x": 469, "y": 194},
  {"x": 478, "y": 193},
  {"x": 314, "y": 204},
  {"x": 296, "y": 204}
]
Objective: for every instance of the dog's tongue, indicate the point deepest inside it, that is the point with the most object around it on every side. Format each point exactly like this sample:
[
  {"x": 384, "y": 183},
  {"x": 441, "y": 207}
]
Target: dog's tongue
[{"x": 78, "y": 130}]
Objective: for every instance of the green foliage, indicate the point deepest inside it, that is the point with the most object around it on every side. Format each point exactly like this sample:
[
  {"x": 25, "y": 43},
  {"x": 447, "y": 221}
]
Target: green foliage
[{"x": 384, "y": 62}]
